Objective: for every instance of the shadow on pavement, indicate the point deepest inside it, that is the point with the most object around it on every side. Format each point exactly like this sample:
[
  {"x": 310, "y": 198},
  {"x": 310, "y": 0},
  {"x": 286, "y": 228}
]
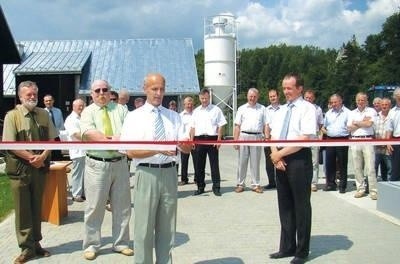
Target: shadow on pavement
[{"x": 325, "y": 244}]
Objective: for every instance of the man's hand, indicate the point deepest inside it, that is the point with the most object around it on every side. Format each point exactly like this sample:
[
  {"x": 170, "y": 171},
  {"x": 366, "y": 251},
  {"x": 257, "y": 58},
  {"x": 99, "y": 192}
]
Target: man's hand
[{"x": 37, "y": 161}]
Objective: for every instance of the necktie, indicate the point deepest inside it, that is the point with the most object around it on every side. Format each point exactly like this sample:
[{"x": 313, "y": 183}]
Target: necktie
[
  {"x": 286, "y": 122},
  {"x": 33, "y": 127},
  {"x": 52, "y": 117},
  {"x": 159, "y": 130},
  {"x": 106, "y": 122}
]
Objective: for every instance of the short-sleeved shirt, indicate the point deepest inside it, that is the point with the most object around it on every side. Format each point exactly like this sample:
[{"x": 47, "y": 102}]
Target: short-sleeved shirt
[
  {"x": 393, "y": 125},
  {"x": 186, "y": 118},
  {"x": 379, "y": 128},
  {"x": 139, "y": 126},
  {"x": 270, "y": 111},
  {"x": 17, "y": 125},
  {"x": 335, "y": 122},
  {"x": 251, "y": 118},
  {"x": 91, "y": 119},
  {"x": 357, "y": 115},
  {"x": 302, "y": 121},
  {"x": 72, "y": 127},
  {"x": 207, "y": 120}
]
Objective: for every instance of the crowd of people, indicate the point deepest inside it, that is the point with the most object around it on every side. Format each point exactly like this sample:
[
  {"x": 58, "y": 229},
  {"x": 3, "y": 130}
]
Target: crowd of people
[{"x": 101, "y": 177}]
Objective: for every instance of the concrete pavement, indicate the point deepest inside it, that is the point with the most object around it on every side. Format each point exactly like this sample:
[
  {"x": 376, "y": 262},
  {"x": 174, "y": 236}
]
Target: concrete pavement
[{"x": 236, "y": 228}]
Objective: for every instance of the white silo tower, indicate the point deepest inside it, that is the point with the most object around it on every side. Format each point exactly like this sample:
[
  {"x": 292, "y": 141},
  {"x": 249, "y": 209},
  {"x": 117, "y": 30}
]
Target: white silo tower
[{"x": 220, "y": 34}]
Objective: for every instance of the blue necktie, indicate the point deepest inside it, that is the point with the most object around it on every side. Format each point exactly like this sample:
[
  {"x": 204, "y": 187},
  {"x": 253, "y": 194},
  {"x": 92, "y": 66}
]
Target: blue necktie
[{"x": 286, "y": 122}]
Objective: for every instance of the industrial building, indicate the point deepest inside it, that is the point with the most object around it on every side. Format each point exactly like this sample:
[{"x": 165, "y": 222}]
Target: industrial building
[{"x": 66, "y": 68}]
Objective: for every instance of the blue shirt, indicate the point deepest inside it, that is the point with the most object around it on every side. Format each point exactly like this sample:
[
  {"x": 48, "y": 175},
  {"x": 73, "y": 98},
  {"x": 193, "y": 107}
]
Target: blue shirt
[{"x": 335, "y": 122}]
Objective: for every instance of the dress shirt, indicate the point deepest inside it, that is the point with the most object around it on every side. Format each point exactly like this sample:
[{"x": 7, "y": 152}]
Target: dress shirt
[
  {"x": 139, "y": 124},
  {"x": 379, "y": 128},
  {"x": 72, "y": 127},
  {"x": 40, "y": 117},
  {"x": 207, "y": 120},
  {"x": 91, "y": 119},
  {"x": 302, "y": 121},
  {"x": 357, "y": 115},
  {"x": 394, "y": 121},
  {"x": 58, "y": 118},
  {"x": 335, "y": 122},
  {"x": 186, "y": 118},
  {"x": 270, "y": 112},
  {"x": 251, "y": 118}
]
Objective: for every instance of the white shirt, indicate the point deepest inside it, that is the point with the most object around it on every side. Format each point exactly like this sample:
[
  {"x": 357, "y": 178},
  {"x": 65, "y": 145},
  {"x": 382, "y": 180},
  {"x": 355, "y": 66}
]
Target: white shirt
[
  {"x": 186, "y": 118},
  {"x": 270, "y": 112},
  {"x": 207, "y": 120},
  {"x": 139, "y": 126},
  {"x": 71, "y": 127},
  {"x": 251, "y": 118},
  {"x": 394, "y": 121},
  {"x": 357, "y": 115},
  {"x": 302, "y": 120}
]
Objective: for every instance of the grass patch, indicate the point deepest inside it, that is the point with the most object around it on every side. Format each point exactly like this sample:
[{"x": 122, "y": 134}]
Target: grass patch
[{"x": 6, "y": 200}]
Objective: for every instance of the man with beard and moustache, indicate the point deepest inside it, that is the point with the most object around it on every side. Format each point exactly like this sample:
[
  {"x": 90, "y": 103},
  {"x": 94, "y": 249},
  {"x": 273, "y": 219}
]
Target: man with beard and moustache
[{"x": 27, "y": 169}]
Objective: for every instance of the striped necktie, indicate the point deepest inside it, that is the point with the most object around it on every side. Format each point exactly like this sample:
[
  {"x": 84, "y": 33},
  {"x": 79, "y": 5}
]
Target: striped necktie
[{"x": 159, "y": 131}]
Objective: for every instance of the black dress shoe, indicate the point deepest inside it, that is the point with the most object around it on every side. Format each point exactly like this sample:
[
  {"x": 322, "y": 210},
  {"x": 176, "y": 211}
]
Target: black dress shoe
[
  {"x": 216, "y": 192},
  {"x": 269, "y": 186},
  {"x": 298, "y": 260},
  {"x": 198, "y": 192},
  {"x": 341, "y": 190},
  {"x": 329, "y": 188},
  {"x": 41, "y": 251},
  {"x": 278, "y": 255}
]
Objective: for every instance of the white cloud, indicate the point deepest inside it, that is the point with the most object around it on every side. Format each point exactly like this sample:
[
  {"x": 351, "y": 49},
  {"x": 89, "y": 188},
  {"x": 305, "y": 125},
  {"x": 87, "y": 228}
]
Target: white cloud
[{"x": 326, "y": 23}]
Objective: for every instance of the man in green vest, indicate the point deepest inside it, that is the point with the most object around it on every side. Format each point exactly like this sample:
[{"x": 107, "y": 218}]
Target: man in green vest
[{"x": 27, "y": 169}]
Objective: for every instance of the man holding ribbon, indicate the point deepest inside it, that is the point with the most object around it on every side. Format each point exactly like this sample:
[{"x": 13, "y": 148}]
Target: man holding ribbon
[
  {"x": 106, "y": 173},
  {"x": 296, "y": 120},
  {"x": 156, "y": 179}
]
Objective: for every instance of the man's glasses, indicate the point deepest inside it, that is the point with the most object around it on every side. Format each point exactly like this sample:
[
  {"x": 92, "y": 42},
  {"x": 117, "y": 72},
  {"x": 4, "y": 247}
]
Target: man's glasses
[
  {"x": 104, "y": 90},
  {"x": 113, "y": 99}
]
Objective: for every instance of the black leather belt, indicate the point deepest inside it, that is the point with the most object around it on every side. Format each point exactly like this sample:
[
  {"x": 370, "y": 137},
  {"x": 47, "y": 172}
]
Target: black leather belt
[
  {"x": 205, "y": 136},
  {"x": 368, "y": 136},
  {"x": 105, "y": 159},
  {"x": 159, "y": 166},
  {"x": 251, "y": 133},
  {"x": 340, "y": 137}
]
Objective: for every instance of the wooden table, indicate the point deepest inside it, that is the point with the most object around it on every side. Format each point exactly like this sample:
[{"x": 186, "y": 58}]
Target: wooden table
[{"x": 54, "y": 204}]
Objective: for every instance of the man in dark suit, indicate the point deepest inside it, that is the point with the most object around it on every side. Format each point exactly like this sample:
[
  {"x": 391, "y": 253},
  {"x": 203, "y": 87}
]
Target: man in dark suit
[{"x": 295, "y": 120}]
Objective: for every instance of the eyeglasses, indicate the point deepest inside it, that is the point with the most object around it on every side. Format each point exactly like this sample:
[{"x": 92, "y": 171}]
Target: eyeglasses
[
  {"x": 113, "y": 99},
  {"x": 104, "y": 90}
]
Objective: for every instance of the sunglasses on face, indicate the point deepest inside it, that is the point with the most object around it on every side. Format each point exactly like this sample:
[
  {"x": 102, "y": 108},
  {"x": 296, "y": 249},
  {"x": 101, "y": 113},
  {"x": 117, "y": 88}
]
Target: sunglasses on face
[
  {"x": 113, "y": 99},
  {"x": 104, "y": 90}
]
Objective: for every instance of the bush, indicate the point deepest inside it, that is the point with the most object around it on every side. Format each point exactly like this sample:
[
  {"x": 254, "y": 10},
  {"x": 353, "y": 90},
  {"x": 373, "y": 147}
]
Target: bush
[{"x": 6, "y": 201}]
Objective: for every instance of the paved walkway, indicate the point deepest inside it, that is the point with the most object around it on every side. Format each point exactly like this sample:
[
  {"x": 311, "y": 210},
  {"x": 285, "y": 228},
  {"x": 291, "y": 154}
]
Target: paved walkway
[{"x": 237, "y": 228}]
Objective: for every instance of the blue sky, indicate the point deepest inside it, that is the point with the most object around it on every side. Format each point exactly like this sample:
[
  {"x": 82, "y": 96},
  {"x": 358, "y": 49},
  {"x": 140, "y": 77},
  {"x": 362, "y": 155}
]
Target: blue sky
[{"x": 322, "y": 23}]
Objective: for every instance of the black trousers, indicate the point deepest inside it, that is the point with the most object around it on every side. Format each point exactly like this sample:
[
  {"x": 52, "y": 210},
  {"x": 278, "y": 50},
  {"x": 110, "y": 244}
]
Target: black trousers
[
  {"x": 293, "y": 187},
  {"x": 269, "y": 166},
  {"x": 56, "y": 154},
  {"x": 336, "y": 156},
  {"x": 185, "y": 163},
  {"x": 201, "y": 155},
  {"x": 395, "y": 163}
]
